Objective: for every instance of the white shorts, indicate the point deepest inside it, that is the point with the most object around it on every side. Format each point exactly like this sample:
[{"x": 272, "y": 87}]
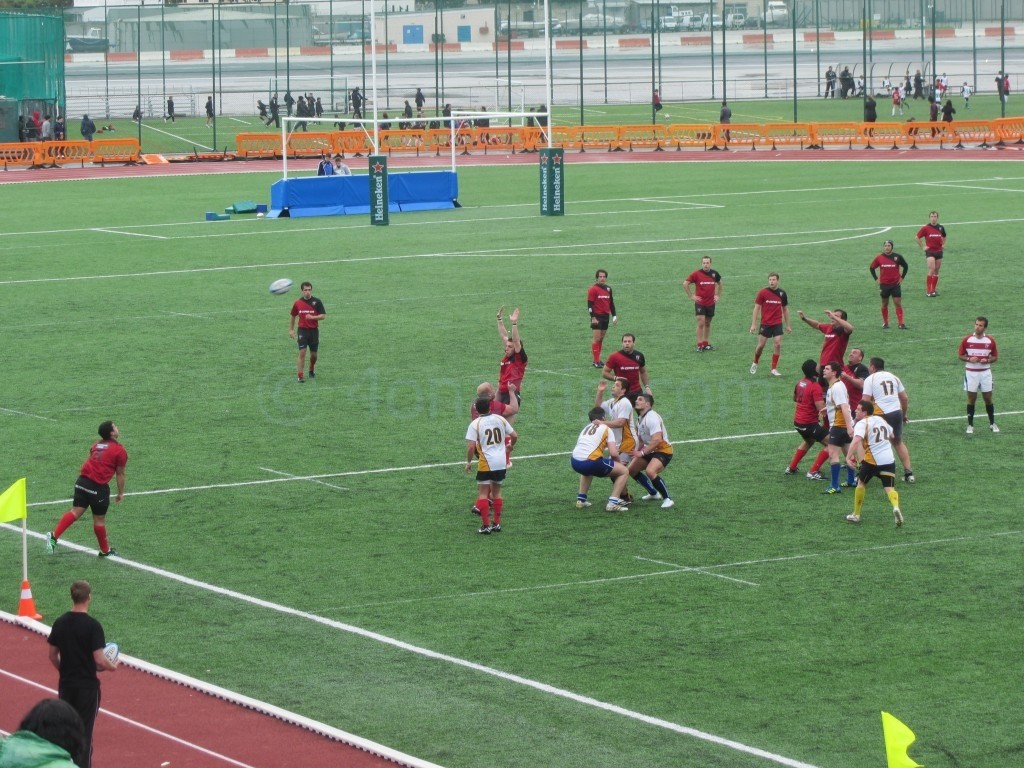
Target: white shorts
[{"x": 978, "y": 381}]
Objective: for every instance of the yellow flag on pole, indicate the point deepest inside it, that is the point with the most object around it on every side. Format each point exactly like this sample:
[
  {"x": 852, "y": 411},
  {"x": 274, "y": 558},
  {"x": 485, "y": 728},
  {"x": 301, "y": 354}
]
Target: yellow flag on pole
[
  {"x": 12, "y": 502},
  {"x": 898, "y": 738}
]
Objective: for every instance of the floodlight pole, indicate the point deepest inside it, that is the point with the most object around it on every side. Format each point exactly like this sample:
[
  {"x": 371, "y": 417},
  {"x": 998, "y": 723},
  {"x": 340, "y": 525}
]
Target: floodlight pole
[
  {"x": 373, "y": 74},
  {"x": 547, "y": 67}
]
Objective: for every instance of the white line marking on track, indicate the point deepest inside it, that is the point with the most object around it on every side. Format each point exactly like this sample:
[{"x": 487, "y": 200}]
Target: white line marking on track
[
  {"x": 443, "y": 465},
  {"x": 182, "y": 314},
  {"x": 133, "y": 723}
]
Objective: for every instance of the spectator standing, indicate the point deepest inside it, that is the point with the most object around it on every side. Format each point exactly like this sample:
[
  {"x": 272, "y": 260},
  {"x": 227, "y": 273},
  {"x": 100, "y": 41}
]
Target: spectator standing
[
  {"x": 888, "y": 270},
  {"x": 107, "y": 460},
  {"x": 932, "y": 240},
  {"x": 948, "y": 111},
  {"x": 357, "y": 103},
  {"x": 275, "y": 111},
  {"x": 979, "y": 352},
  {"x": 656, "y": 103},
  {"x": 318, "y": 107},
  {"x": 871, "y": 112},
  {"x": 407, "y": 111},
  {"x": 419, "y": 99},
  {"x": 725, "y": 118},
  {"x": 170, "y": 109},
  {"x": 209, "y": 111},
  {"x": 289, "y": 103},
  {"x": 707, "y": 290},
  {"x": 1006, "y": 88},
  {"x": 897, "y": 101},
  {"x": 46, "y": 131},
  {"x": 601, "y": 308},
  {"x": 76, "y": 651},
  {"x": 88, "y": 128},
  {"x": 59, "y": 129},
  {"x": 918, "y": 85},
  {"x": 966, "y": 91},
  {"x": 771, "y": 305},
  {"x": 830, "y": 83}
]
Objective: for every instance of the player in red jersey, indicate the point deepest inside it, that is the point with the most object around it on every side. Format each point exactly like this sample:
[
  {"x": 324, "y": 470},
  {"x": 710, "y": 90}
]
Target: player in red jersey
[
  {"x": 837, "y": 335},
  {"x": 107, "y": 459},
  {"x": 979, "y": 351},
  {"x": 707, "y": 291},
  {"x": 513, "y": 364},
  {"x": 309, "y": 311},
  {"x": 889, "y": 270},
  {"x": 630, "y": 364},
  {"x": 601, "y": 307},
  {"x": 932, "y": 239},
  {"x": 854, "y": 373},
  {"x": 772, "y": 304},
  {"x": 810, "y": 402}
]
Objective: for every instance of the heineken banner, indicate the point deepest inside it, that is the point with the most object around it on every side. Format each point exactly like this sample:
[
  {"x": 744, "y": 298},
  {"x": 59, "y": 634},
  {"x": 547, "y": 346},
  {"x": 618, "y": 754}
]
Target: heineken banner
[
  {"x": 379, "y": 190},
  {"x": 552, "y": 180}
]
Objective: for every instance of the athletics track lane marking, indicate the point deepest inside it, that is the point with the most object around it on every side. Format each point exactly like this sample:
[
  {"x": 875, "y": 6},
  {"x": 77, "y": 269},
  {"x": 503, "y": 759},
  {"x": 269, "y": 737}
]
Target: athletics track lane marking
[{"x": 134, "y": 723}]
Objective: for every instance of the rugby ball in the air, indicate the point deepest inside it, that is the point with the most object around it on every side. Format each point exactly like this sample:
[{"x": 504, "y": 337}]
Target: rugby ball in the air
[
  {"x": 282, "y": 286},
  {"x": 111, "y": 651}
]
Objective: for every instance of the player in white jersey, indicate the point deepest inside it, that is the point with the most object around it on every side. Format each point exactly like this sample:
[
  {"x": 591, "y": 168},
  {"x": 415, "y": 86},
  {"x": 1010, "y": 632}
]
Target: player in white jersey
[
  {"x": 588, "y": 461},
  {"x": 886, "y": 392},
  {"x": 979, "y": 351},
  {"x": 840, "y": 420},
  {"x": 653, "y": 453},
  {"x": 485, "y": 441},
  {"x": 620, "y": 416},
  {"x": 871, "y": 447}
]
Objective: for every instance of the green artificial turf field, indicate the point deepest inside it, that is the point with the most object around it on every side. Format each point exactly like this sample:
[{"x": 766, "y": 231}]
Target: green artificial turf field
[{"x": 311, "y": 545}]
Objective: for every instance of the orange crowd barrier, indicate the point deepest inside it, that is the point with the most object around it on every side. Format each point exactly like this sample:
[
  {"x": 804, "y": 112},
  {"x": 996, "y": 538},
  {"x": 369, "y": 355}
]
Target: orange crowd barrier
[{"x": 49, "y": 154}]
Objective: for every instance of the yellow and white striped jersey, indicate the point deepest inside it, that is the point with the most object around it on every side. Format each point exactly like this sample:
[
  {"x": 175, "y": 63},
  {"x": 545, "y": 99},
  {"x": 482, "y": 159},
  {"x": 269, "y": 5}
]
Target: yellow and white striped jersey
[
  {"x": 651, "y": 424},
  {"x": 489, "y": 433},
  {"x": 621, "y": 408},
  {"x": 836, "y": 397}
]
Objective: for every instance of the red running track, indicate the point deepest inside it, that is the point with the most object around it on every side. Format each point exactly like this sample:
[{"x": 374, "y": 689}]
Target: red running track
[{"x": 147, "y": 720}]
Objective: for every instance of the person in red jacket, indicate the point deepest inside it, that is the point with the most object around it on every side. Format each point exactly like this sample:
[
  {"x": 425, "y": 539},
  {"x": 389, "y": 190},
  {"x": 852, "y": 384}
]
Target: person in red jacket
[{"x": 107, "y": 459}]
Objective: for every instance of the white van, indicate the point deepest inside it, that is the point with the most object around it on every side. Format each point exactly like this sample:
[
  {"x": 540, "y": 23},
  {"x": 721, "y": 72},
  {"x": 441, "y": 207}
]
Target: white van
[{"x": 776, "y": 13}]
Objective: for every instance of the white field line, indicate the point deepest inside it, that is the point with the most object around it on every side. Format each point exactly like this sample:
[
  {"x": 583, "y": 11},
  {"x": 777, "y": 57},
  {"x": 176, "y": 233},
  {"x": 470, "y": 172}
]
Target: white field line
[
  {"x": 182, "y": 139},
  {"x": 127, "y": 234},
  {"x": 442, "y": 465},
  {"x": 133, "y": 723},
  {"x": 427, "y": 653},
  {"x": 26, "y": 415},
  {"x": 692, "y": 569},
  {"x": 318, "y": 482}
]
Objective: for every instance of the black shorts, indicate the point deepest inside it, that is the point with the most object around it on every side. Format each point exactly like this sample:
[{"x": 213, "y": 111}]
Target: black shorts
[
  {"x": 838, "y": 436},
  {"x": 91, "y": 495},
  {"x": 600, "y": 322},
  {"x": 309, "y": 337},
  {"x": 664, "y": 458},
  {"x": 770, "y": 331},
  {"x": 937, "y": 255},
  {"x": 812, "y": 433},
  {"x": 494, "y": 477},
  {"x": 506, "y": 397},
  {"x": 895, "y": 291},
  {"x": 895, "y": 420},
  {"x": 884, "y": 472},
  {"x": 705, "y": 310}
]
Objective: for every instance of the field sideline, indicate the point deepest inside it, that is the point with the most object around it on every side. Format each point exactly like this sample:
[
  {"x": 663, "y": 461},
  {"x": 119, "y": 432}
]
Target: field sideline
[{"x": 328, "y": 523}]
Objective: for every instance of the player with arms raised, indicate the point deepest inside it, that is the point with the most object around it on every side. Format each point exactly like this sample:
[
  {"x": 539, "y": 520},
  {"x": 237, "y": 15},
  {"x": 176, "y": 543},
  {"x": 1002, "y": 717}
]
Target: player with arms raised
[{"x": 513, "y": 364}]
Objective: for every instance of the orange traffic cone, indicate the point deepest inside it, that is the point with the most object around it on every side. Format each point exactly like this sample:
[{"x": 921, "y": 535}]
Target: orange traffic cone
[{"x": 27, "y": 606}]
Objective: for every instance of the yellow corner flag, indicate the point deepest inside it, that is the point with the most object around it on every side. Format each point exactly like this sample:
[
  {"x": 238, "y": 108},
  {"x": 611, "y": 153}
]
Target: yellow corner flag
[
  {"x": 898, "y": 739},
  {"x": 12, "y": 502}
]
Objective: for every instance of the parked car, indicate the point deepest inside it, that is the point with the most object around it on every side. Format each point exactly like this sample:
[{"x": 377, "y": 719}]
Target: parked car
[
  {"x": 713, "y": 22},
  {"x": 735, "y": 20}
]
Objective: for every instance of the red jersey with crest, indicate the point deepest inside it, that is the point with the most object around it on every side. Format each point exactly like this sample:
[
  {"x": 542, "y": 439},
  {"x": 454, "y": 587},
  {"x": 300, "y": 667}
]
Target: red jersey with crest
[
  {"x": 105, "y": 458},
  {"x": 513, "y": 369},
  {"x": 600, "y": 301},
  {"x": 836, "y": 341},
  {"x": 934, "y": 237},
  {"x": 807, "y": 394},
  {"x": 627, "y": 365},
  {"x": 305, "y": 309},
  {"x": 704, "y": 285}
]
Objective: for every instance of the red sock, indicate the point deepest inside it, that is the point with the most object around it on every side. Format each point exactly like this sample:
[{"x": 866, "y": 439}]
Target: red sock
[
  {"x": 885, "y": 315},
  {"x": 899, "y": 315},
  {"x": 775, "y": 362},
  {"x": 797, "y": 458},
  {"x": 485, "y": 511},
  {"x": 64, "y": 524},
  {"x": 822, "y": 458},
  {"x": 101, "y": 537},
  {"x": 498, "y": 504},
  {"x": 596, "y": 349}
]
